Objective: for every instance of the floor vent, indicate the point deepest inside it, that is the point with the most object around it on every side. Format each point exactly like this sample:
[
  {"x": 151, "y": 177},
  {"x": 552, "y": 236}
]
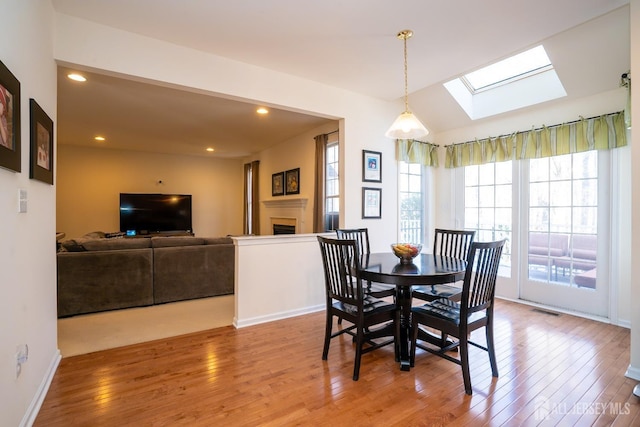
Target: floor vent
[{"x": 550, "y": 313}]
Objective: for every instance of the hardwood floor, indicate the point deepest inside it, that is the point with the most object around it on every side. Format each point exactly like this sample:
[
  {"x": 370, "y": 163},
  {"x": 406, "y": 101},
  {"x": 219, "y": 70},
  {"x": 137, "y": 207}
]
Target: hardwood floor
[{"x": 554, "y": 370}]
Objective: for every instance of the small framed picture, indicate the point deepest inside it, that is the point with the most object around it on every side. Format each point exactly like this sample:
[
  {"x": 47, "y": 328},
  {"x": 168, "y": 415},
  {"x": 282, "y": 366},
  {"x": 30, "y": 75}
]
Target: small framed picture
[
  {"x": 371, "y": 202},
  {"x": 9, "y": 120},
  {"x": 277, "y": 184},
  {"x": 41, "y": 130},
  {"x": 371, "y": 166},
  {"x": 292, "y": 179}
]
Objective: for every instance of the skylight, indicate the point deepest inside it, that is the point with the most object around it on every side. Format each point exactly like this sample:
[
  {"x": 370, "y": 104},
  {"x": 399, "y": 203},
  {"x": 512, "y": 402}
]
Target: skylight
[
  {"x": 522, "y": 80},
  {"x": 516, "y": 67}
]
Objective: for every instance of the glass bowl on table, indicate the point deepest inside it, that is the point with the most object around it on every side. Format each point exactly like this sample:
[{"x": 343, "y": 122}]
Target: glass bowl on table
[{"x": 406, "y": 251}]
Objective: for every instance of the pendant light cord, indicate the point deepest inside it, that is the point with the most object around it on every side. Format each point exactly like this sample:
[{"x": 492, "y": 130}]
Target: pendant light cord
[{"x": 406, "y": 86}]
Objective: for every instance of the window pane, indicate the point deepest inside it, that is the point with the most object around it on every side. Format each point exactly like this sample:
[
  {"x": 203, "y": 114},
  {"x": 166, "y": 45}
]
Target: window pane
[
  {"x": 538, "y": 170},
  {"x": 486, "y": 216},
  {"x": 539, "y": 194},
  {"x": 560, "y": 167},
  {"x": 471, "y": 218},
  {"x": 471, "y": 175},
  {"x": 538, "y": 219},
  {"x": 503, "y": 172},
  {"x": 585, "y": 220},
  {"x": 503, "y": 195},
  {"x": 560, "y": 193},
  {"x": 585, "y": 192},
  {"x": 414, "y": 183},
  {"x": 486, "y": 173},
  {"x": 486, "y": 196},
  {"x": 560, "y": 220},
  {"x": 471, "y": 197},
  {"x": 585, "y": 165}
]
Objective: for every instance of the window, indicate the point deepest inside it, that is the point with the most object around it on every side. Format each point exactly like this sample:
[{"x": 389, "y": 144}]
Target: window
[
  {"x": 411, "y": 183},
  {"x": 332, "y": 187},
  {"x": 487, "y": 206}
]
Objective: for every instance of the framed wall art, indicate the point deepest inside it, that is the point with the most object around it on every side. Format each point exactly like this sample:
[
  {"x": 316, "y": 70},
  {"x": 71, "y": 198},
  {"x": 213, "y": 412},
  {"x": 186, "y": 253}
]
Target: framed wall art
[
  {"x": 371, "y": 202},
  {"x": 371, "y": 166},
  {"x": 41, "y": 156},
  {"x": 9, "y": 120},
  {"x": 277, "y": 184},
  {"x": 292, "y": 179}
]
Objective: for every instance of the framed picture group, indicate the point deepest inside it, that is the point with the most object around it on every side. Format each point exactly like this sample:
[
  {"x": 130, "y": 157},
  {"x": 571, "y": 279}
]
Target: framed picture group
[
  {"x": 371, "y": 172},
  {"x": 9, "y": 120},
  {"x": 40, "y": 129},
  {"x": 287, "y": 182}
]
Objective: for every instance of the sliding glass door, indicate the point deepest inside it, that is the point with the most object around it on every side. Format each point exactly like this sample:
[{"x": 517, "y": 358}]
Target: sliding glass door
[
  {"x": 566, "y": 236},
  {"x": 554, "y": 212}
]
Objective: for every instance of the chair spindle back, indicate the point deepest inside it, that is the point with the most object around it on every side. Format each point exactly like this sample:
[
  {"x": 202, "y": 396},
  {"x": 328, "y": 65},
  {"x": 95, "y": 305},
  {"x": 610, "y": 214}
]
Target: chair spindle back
[
  {"x": 453, "y": 243},
  {"x": 479, "y": 286},
  {"x": 339, "y": 257}
]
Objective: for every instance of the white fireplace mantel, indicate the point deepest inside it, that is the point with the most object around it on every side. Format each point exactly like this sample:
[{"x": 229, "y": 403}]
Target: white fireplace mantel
[{"x": 297, "y": 202}]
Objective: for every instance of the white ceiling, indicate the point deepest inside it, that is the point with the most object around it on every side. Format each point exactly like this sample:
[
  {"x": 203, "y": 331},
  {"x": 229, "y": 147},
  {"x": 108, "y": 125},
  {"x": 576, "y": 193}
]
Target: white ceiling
[{"x": 357, "y": 41}]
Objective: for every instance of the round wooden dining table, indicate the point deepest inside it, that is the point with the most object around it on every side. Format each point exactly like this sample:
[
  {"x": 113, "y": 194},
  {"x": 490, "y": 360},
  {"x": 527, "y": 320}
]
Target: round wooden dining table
[{"x": 426, "y": 269}]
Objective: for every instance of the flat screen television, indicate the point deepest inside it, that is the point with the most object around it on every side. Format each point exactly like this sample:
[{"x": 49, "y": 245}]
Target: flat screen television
[{"x": 142, "y": 214}]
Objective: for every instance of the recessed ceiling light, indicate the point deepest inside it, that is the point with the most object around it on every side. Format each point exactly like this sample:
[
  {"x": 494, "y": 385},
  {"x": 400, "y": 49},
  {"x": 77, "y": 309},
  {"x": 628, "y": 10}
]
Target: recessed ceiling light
[
  {"x": 262, "y": 110},
  {"x": 100, "y": 138},
  {"x": 77, "y": 77},
  {"x": 211, "y": 150}
]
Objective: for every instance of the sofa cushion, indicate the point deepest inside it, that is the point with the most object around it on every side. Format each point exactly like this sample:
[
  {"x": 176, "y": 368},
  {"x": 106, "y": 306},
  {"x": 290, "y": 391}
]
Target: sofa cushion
[
  {"x": 95, "y": 281},
  {"x": 71, "y": 245},
  {"x": 192, "y": 272},
  {"x": 218, "y": 240},
  {"x": 115, "y": 244},
  {"x": 171, "y": 241}
]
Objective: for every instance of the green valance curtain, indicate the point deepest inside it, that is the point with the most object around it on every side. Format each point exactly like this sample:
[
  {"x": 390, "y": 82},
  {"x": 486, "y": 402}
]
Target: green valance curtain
[
  {"x": 412, "y": 151},
  {"x": 596, "y": 133}
]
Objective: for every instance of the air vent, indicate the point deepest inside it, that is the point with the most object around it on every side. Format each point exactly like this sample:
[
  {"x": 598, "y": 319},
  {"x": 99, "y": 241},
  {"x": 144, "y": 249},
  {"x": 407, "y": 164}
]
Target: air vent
[{"x": 550, "y": 313}]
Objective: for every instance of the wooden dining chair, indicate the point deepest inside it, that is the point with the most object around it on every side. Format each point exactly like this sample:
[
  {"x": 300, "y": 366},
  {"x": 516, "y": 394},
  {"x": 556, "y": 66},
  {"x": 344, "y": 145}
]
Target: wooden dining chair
[
  {"x": 361, "y": 236},
  {"x": 346, "y": 299},
  {"x": 451, "y": 243},
  {"x": 459, "y": 319}
]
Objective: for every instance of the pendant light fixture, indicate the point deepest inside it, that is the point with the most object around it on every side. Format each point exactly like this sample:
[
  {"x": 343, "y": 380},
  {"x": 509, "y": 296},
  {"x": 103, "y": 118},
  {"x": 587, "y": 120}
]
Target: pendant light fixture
[{"x": 406, "y": 126}]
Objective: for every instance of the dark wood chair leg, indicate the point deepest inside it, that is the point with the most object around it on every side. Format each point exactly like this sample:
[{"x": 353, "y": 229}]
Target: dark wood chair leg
[
  {"x": 491, "y": 348},
  {"x": 464, "y": 362},
  {"x": 327, "y": 335},
  {"x": 359, "y": 343}
]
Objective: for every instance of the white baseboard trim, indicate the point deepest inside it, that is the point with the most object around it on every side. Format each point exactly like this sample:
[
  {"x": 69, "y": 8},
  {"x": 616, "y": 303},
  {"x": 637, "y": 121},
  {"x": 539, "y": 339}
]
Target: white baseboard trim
[
  {"x": 563, "y": 311},
  {"x": 633, "y": 373},
  {"x": 276, "y": 316},
  {"x": 32, "y": 412}
]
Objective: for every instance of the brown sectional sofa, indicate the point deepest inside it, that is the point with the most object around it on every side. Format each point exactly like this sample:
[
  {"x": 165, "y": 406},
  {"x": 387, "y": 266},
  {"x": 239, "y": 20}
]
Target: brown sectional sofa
[{"x": 99, "y": 274}]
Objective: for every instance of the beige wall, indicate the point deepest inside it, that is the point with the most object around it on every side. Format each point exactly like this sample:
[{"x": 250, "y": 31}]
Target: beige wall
[
  {"x": 90, "y": 181},
  {"x": 297, "y": 152},
  {"x": 27, "y": 254}
]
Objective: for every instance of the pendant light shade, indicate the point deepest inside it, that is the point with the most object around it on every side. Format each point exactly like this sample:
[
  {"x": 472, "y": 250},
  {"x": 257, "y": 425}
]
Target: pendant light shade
[{"x": 406, "y": 126}]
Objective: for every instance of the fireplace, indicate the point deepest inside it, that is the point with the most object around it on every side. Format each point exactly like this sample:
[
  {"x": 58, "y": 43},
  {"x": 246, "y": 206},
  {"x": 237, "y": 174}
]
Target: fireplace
[
  {"x": 284, "y": 225},
  {"x": 284, "y": 229}
]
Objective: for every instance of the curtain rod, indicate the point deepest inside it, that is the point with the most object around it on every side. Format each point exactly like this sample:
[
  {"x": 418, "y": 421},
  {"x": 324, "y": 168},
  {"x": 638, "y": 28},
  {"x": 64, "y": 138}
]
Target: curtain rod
[
  {"x": 425, "y": 142},
  {"x": 335, "y": 131},
  {"x": 536, "y": 129}
]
